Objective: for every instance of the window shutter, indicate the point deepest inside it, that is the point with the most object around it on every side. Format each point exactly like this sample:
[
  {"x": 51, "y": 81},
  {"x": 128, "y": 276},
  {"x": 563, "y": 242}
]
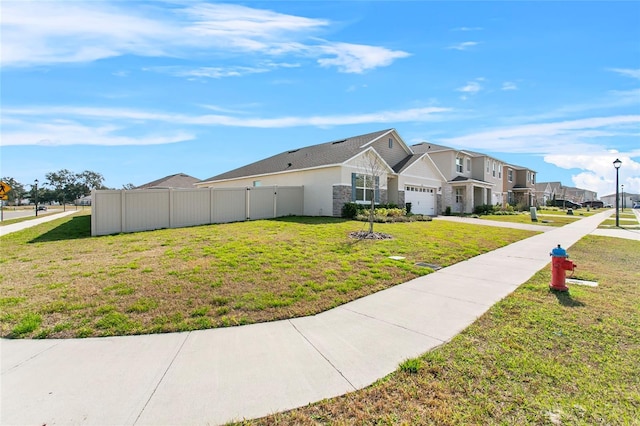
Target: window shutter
[
  {"x": 353, "y": 187},
  {"x": 376, "y": 190}
]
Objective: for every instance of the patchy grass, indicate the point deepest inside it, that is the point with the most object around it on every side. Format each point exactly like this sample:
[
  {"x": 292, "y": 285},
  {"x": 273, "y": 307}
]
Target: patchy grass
[
  {"x": 537, "y": 357},
  {"x": 212, "y": 276},
  {"x": 626, "y": 220},
  {"x": 551, "y": 220}
]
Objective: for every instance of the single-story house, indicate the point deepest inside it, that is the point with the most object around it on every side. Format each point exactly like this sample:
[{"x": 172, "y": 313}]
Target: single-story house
[
  {"x": 178, "y": 180},
  {"x": 377, "y": 165}
]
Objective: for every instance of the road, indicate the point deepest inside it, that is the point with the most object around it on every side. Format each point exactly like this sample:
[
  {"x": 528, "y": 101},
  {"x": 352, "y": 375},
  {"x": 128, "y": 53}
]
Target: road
[{"x": 16, "y": 214}]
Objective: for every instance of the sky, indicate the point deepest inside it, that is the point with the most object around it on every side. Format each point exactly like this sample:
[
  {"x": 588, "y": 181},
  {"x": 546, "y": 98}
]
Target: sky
[{"x": 138, "y": 90}]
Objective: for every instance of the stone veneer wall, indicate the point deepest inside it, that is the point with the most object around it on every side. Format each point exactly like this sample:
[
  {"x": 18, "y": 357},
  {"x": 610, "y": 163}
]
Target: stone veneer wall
[{"x": 341, "y": 195}]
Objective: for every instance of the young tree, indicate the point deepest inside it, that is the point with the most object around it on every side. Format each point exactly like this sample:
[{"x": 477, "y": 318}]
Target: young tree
[
  {"x": 374, "y": 168},
  {"x": 62, "y": 182}
]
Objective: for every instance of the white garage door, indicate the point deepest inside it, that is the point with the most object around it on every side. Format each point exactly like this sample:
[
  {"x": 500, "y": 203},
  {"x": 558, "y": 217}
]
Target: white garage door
[{"x": 423, "y": 200}]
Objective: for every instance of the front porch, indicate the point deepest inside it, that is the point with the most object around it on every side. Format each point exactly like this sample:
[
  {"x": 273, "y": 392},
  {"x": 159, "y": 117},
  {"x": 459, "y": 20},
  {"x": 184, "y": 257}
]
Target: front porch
[{"x": 465, "y": 194}]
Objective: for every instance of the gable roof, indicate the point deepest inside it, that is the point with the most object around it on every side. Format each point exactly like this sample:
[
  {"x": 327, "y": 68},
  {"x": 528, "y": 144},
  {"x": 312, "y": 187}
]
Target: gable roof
[
  {"x": 324, "y": 154},
  {"x": 179, "y": 180}
]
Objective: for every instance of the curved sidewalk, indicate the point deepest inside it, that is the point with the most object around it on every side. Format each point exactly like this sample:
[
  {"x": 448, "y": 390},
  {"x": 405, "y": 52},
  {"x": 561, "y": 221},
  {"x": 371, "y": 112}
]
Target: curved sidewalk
[
  {"x": 15, "y": 227},
  {"x": 216, "y": 376}
]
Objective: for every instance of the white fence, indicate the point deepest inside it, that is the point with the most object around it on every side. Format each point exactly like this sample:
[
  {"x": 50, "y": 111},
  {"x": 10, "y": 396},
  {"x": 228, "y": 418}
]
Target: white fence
[{"x": 147, "y": 209}]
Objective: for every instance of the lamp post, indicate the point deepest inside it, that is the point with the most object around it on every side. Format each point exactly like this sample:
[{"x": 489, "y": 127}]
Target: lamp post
[
  {"x": 622, "y": 186},
  {"x": 617, "y": 164},
  {"x": 36, "y": 195}
]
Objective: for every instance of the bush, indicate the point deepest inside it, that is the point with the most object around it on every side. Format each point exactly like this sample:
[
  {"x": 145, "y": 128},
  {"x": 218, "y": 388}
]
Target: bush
[
  {"x": 350, "y": 210},
  {"x": 407, "y": 206},
  {"x": 447, "y": 211},
  {"x": 484, "y": 209}
]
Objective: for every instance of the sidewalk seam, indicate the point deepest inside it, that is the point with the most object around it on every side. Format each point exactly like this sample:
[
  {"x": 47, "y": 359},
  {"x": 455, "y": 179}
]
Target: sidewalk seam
[
  {"x": 28, "y": 359},
  {"x": 393, "y": 324},
  {"x": 322, "y": 355},
  {"x": 162, "y": 378}
]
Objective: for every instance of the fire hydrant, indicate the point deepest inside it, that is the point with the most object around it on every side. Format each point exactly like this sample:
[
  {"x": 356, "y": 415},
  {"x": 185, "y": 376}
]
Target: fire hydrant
[{"x": 559, "y": 264}]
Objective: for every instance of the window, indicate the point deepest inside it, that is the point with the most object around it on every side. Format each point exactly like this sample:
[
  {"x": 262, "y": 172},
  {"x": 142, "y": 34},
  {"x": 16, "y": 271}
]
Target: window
[
  {"x": 390, "y": 143},
  {"x": 458, "y": 164},
  {"x": 468, "y": 164},
  {"x": 528, "y": 177},
  {"x": 499, "y": 171},
  {"x": 363, "y": 188},
  {"x": 459, "y": 195},
  {"x": 493, "y": 171},
  {"x": 487, "y": 166},
  {"x": 533, "y": 177},
  {"x": 257, "y": 183},
  {"x": 510, "y": 175}
]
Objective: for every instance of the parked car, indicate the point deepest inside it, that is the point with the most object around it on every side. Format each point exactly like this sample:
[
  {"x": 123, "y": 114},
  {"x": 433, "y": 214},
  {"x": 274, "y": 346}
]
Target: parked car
[
  {"x": 42, "y": 208},
  {"x": 564, "y": 204},
  {"x": 636, "y": 206}
]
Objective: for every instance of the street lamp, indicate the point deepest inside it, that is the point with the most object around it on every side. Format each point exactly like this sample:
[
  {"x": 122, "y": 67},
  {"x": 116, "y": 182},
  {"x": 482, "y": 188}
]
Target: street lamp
[
  {"x": 36, "y": 195},
  {"x": 622, "y": 186},
  {"x": 617, "y": 164}
]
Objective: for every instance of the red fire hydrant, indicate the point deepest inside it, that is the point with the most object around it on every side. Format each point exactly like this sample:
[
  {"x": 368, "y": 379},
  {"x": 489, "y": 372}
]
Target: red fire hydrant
[{"x": 559, "y": 264}]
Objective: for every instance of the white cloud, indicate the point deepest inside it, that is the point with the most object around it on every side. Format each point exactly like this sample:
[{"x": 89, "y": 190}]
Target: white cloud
[
  {"x": 59, "y": 133},
  {"x": 358, "y": 58},
  {"x": 598, "y": 172},
  {"x": 542, "y": 138},
  {"x": 95, "y": 126},
  {"x": 36, "y": 33},
  {"x": 468, "y": 29},
  {"x": 509, "y": 85},
  {"x": 464, "y": 45},
  {"x": 633, "y": 73}
]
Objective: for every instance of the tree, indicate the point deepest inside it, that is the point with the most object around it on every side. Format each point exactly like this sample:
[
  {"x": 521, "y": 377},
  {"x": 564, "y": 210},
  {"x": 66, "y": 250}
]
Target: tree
[
  {"x": 62, "y": 182},
  {"x": 374, "y": 168},
  {"x": 128, "y": 186},
  {"x": 90, "y": 180},
  {"x": 17, "y": 190}
]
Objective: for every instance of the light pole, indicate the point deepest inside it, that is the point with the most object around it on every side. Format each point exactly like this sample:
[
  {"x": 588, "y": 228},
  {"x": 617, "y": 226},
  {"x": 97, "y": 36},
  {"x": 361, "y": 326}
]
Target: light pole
[
  {"x": 622, "y": 186},
  {"x": 36, "y": 195},
  {"x": 617, "y": 164}
]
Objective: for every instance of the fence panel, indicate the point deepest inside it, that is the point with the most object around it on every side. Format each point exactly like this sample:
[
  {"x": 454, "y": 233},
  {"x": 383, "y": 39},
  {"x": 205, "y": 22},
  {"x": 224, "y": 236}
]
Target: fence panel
[
  {"x": 190, "y": 207},
  {"x": 261, "y": 201},
  {"x": 290, "y": 201},
  {"x": 229, "y": 205},
  {"x": 145, "y": 210}
]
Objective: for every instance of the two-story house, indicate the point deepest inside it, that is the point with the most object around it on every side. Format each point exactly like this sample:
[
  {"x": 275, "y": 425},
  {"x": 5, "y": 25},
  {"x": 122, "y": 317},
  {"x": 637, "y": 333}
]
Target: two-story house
[
  {"x": 519, "y": 186},
  {"x": 472, "y": 178}
]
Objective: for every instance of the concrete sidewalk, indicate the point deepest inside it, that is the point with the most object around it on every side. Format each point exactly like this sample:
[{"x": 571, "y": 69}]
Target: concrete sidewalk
[
  {"x": 8, "y": 229},
  {"x": 215, "y": 376}
]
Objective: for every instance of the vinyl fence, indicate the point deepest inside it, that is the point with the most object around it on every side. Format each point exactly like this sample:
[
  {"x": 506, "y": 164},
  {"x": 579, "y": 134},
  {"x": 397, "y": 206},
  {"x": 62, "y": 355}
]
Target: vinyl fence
[{"x": 148, "y": 209}]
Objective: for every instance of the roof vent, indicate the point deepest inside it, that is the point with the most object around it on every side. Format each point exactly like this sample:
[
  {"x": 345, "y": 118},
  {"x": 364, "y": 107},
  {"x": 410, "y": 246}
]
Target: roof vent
[
  {"x": 295, "y": 150},
  {"x": 288, "y": 164},
  {"x": 337, "y": 142}
]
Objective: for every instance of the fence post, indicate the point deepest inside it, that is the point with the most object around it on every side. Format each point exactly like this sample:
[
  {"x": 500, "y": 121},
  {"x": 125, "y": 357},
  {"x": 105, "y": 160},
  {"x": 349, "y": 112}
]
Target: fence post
[
  {"x": 275, "y": 201},
  {"x": 123, "y": 210},
  {"x": 170, "y": 207},
  {"x": 94, "y": 224},
  {"x": 248, "y": 204}
]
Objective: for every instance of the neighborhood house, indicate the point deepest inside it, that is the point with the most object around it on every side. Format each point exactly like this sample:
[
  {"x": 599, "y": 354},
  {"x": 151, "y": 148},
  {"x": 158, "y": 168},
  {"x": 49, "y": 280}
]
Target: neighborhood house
[{"x": 380, "y": 165}]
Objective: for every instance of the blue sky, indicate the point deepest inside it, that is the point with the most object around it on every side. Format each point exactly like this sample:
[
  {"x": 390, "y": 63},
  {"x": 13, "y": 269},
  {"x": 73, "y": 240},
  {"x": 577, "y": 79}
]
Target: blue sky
[{"x": 141, "y": 90}]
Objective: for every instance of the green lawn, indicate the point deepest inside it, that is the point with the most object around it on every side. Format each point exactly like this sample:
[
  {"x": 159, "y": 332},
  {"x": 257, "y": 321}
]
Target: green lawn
[
  {"x": 57, "y": 281},
  {"x": 555, "y": 220},
  {"x": 538, "y": 357}
]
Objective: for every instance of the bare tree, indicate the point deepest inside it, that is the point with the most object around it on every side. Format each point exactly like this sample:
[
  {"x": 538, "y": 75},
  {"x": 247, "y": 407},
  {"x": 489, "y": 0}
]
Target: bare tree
[{"x": 374, "y": 168}]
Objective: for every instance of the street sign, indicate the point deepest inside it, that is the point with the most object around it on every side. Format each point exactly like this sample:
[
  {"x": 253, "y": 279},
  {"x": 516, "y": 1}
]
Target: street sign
[
  {"x": 4, "y": 197},
  {"x": 4, "y": 188}
]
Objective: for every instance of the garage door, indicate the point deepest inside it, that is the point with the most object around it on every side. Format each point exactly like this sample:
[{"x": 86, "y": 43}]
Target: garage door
[{"x": 423, "y": 200}]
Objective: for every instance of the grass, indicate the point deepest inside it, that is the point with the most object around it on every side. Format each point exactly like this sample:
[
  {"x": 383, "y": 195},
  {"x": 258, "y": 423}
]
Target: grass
[
  {"x": 537, "y": 357},
  {"x": 211, "y": 276},
  {"x": 555, "y": 220},
  {"x": 626, "y": 219}
]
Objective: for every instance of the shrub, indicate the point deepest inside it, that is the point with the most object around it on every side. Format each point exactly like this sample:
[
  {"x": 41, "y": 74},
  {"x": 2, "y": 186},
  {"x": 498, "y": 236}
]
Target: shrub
[
  {"x": 447, "y": 211},
  {"x": 484, "y": 209},
  {"x": 408, "y": 207},
  {"x": 349, "y": 210}
]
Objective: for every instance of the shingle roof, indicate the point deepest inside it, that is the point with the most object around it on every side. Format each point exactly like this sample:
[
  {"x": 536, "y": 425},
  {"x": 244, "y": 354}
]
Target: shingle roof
[
  {"x": 324, "y": 154},
  {"x": 408, "y": 161},
  {"x": 179, "y": 180},
  {"x": 422, "y": 147}
]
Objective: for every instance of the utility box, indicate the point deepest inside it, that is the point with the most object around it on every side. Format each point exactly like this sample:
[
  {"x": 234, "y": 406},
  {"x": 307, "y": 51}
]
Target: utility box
[{"x": 534, "y": 214}]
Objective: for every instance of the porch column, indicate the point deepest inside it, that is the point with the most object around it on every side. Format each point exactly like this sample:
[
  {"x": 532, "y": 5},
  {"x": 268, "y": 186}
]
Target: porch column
[
  {"x": 473, "y": 202},
  {"x": 484, "y": 196}
]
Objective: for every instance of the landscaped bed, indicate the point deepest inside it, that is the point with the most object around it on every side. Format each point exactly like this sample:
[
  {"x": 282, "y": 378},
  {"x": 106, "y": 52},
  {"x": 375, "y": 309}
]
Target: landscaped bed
[
  {"x": 536, "y": 358},
  {"x": 57, "y": 281}
]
